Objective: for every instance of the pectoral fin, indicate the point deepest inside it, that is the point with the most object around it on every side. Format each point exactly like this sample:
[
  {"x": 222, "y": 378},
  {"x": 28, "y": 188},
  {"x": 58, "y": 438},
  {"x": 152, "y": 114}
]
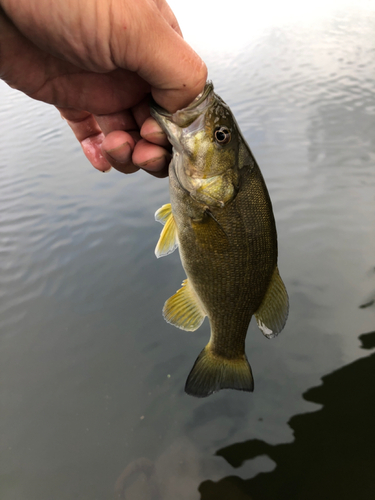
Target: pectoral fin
[
  {"x": 168, "y": 241},
  {"x": 273, "y": 311},
  {"x": 184, "y": 309},
  {"x": 163, "y": 213}
]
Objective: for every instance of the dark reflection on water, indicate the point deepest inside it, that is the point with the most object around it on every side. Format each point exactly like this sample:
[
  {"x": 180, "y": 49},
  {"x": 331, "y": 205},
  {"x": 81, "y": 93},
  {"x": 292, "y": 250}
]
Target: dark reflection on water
[
  {"x": 333, "y": 453},
  {"x": 370, "y": 300}
]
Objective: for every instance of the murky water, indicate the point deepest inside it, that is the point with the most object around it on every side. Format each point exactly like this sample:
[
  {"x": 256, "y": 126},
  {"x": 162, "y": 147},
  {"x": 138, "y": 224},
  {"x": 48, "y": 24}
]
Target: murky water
[{"x": 92, "y": 377}]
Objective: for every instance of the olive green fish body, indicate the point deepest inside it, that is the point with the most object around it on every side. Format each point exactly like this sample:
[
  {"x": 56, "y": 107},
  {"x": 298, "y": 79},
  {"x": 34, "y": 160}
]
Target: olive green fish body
[
  {"x": 221, "y": 219},
  {"x": 234, "y": 258}
]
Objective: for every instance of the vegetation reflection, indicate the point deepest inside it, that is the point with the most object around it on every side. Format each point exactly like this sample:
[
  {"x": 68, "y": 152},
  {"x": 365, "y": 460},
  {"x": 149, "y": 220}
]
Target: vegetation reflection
[{"x": 333, "y": 454}]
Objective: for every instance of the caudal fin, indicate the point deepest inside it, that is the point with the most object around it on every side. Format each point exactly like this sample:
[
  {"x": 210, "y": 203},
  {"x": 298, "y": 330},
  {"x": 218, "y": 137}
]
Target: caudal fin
[{"x": 211, "y": 373}]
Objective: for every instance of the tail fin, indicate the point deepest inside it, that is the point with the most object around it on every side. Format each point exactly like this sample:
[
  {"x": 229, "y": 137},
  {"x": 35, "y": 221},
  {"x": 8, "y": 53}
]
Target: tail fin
[{"x": 211, "y": 373}]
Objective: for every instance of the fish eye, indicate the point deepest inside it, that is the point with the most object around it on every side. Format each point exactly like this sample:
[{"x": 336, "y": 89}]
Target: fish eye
[{"x": 222, "y": 135}]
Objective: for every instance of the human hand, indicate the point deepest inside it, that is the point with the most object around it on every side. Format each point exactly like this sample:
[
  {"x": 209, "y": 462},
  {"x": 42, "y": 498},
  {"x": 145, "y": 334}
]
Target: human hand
[{"x": 98, "y": 61}]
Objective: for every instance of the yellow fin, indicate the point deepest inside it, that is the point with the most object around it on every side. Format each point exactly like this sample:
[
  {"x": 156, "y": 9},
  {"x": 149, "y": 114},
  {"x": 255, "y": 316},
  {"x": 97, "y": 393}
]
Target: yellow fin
[
  {"x": 163, "y": 213},
  {"x": 168, "y": 241},
  {"x": 211, "y": 373},
  {"x": 273, "y": 311},
  {"x": 184, "y": 309}
]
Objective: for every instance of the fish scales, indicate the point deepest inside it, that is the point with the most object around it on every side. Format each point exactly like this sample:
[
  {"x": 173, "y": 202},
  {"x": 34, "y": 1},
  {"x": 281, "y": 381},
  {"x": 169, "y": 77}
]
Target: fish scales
[
  {"x": 239, "y": 269},
  {"x": 224, "y": 227}
]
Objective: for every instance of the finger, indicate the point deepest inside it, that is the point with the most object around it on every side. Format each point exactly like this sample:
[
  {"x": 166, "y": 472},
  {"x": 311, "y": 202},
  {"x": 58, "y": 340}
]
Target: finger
[
  {"x": 97, "y": 93},
  {"x": 141, "y": 111},
  {"x": 152, "y": 132},
  {"x": 168, "y": 15},
  {"x": 122, "y": 133},
  {"x": 122, "y": 120},
  {"x": 154, "y": 50},
  {"x": 152, "y": 158},
  {"x": 117, "y": 147},
  {"x": 89, "y": 135}
]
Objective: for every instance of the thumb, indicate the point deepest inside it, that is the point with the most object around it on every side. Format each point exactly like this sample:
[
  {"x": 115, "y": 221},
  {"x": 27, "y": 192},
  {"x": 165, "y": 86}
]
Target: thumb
[{"x": 158, "y": 53}]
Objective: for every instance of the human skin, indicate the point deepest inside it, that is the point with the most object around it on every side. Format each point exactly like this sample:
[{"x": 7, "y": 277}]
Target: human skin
[{"x": 98, "y": 61}]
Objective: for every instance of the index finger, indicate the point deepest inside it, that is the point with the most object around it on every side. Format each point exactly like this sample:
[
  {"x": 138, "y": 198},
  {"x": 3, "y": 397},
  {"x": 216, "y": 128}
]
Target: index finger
[{"x": 169, "y": 16}]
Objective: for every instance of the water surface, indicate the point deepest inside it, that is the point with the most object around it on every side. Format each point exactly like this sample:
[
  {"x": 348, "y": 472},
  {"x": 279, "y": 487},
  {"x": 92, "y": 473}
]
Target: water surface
[{"x": 92, "y": 376}]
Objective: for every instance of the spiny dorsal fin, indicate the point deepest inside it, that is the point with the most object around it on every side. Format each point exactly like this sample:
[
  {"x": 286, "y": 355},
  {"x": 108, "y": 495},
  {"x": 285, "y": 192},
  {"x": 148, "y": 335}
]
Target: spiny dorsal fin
[
  {"x": 184, "y": 309},
  {"x": 211, "y": 373},
  {"x": 168, "y": 241},
  {"x": 273, "y": 311}
]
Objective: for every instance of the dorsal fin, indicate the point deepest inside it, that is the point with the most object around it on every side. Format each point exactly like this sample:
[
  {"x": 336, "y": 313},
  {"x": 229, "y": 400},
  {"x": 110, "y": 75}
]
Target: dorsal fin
[
  {"x": 273, "y": 311},
  {"x": 168, "y": 240},
  {"x": 184, "y": 309}
]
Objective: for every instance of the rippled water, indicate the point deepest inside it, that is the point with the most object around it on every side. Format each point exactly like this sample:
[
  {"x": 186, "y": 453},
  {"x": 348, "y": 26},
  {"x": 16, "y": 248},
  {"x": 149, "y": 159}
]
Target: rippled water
[{"x": 92, "y": 377}]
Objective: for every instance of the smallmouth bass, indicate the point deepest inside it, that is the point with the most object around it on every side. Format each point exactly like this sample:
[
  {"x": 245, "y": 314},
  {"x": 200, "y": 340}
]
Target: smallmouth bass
[{"x": 220, "y": 217}]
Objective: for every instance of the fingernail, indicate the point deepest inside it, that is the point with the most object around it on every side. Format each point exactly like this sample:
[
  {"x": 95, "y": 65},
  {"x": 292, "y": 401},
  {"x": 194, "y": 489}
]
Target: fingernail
[
  {"x": 155, "y": 161},
  {"x": 121, "y": 154},
  {"x": 154, "y": 135}
]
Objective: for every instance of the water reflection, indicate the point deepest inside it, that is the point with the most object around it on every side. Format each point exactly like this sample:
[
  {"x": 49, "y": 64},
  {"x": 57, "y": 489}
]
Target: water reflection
[
  {"x": 370, "y": 300},
  {"x": 172, "y": 476},
  {"x": 333, "y": 454}
]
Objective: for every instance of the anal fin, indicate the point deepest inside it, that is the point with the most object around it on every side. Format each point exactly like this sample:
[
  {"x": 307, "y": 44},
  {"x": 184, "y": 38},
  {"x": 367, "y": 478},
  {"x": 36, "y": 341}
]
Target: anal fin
[{"x": 184, "y": 309}]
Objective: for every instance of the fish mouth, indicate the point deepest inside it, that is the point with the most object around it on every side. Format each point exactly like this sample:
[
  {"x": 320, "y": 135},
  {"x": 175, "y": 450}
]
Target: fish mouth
[{"x": 185, "y": 116}]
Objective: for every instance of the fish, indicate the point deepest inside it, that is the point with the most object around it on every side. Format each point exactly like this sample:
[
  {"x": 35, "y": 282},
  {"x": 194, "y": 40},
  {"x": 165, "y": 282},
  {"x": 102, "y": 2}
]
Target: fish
[{"x": 220, "y": 218}]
